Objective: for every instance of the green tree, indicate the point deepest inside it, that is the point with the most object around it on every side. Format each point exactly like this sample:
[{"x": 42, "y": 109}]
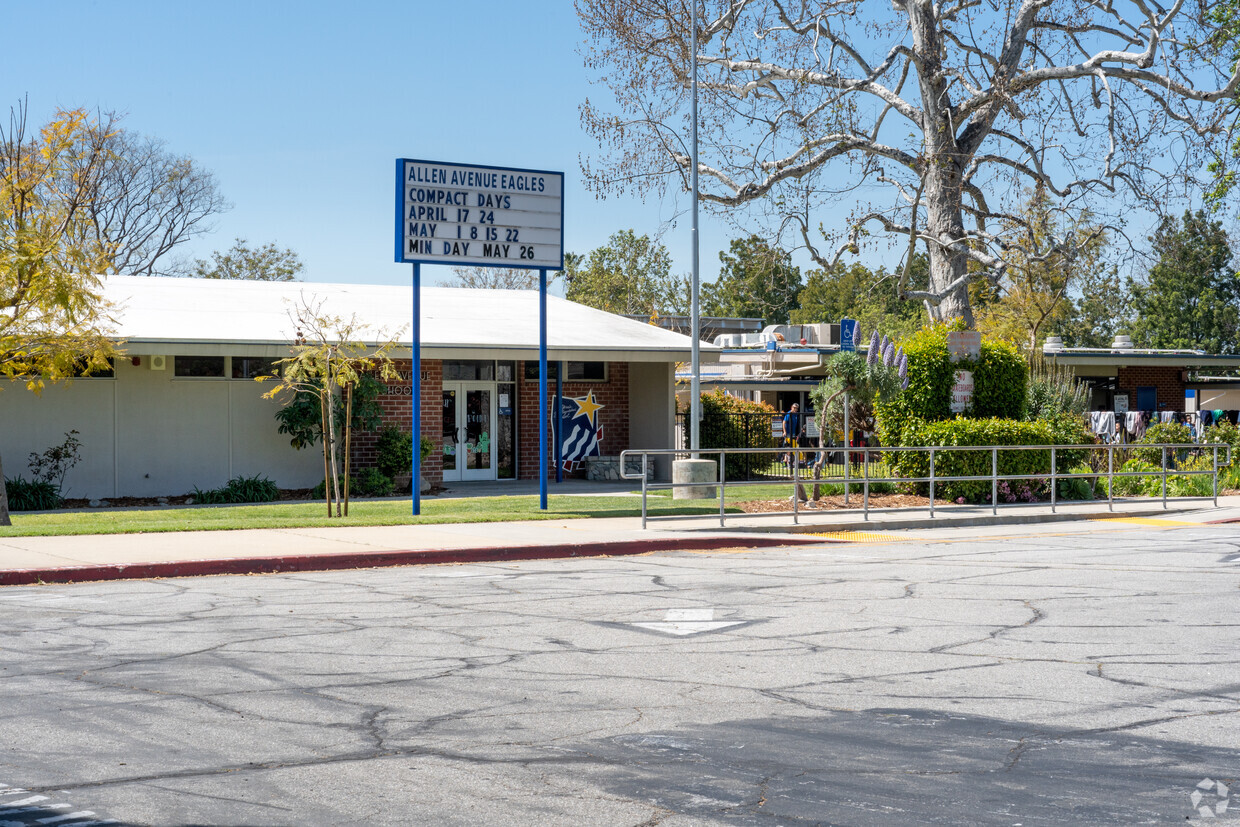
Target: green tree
[
  {"x": 629, "y": 275},
  {"x": 862, "y": 384},
  {"x": 241, "y": 261},
  {"x": 329, "y": 359},
  {"x": 1191, "y": 296},
  {"x": 1035, "y": 294},
  {"x": 756, "y": 280},
  {"x": 856, "y": 292},
  {"x": 53, "y": 319},
  {"x": 1099, "y": 310}
]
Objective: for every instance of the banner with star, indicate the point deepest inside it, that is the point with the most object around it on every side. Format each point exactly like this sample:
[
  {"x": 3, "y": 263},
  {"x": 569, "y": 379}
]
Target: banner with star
[{"x": 580, "y": 431}]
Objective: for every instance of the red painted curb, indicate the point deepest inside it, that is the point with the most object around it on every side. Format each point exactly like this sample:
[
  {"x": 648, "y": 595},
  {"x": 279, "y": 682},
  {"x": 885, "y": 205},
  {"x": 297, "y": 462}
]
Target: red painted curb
[{"x": 380, "y": 559}]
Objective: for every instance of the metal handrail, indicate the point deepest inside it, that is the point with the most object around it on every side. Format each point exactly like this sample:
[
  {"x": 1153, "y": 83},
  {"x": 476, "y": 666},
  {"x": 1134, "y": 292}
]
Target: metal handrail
[{"x": 994, "y": 477}]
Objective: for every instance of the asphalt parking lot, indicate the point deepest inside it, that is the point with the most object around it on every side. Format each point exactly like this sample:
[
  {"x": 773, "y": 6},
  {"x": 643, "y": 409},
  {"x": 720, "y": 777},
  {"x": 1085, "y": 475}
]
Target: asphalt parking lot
[{"x": 1061, "y": 674}]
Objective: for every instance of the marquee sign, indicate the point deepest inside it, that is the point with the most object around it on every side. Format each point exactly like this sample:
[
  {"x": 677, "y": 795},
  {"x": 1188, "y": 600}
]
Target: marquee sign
[{"x": 458, "y": 214}]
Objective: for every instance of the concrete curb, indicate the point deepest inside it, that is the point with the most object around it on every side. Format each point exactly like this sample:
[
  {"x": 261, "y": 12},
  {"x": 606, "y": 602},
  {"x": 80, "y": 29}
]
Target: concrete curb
[{"x": 381, "y": 559}]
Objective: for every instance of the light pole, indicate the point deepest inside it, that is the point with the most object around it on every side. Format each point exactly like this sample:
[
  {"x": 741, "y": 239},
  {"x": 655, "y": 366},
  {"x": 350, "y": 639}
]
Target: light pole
[
  {"x": 695, "y": 474},
  {"x": 695, "y": 322}
]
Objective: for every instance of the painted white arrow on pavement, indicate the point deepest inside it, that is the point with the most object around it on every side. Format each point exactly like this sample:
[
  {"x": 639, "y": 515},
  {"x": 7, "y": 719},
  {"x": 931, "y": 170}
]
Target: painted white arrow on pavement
[{"x": 683, "y": 622}]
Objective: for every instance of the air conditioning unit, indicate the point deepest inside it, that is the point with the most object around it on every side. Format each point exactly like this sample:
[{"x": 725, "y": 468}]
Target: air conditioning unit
[
  {"x": 824, "y": 334},
  {"x": 159, "y": 362}
]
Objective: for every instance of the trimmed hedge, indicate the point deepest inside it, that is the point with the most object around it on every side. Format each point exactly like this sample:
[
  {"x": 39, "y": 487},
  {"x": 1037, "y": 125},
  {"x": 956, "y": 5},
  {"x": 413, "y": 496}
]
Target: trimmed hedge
[
  {"x": 1000, "y": 376},
  {"x": 968, "y": 432}
]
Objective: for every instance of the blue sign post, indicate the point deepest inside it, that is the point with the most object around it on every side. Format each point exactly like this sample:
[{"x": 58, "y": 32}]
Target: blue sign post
[
  {"x": 848, "y": 334},
  {"x": 462, "y": 214}
]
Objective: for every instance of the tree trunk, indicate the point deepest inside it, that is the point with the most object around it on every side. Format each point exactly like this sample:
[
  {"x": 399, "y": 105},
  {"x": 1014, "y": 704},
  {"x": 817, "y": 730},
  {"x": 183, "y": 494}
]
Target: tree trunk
[
  {"x": 4, "y": 500},
  {"x": 327, "y": 474},
  {"x": 943, "y": 171},
  {"x": 822, "y": 455},
  {"x": 348, "y": 433},
  {"x": 945, "y": 220},
  {"x": 334, "y": 449}
]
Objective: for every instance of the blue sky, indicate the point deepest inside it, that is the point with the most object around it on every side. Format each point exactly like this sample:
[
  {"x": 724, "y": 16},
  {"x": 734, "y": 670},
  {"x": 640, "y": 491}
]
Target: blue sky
[{"x": 300, "y": 109}]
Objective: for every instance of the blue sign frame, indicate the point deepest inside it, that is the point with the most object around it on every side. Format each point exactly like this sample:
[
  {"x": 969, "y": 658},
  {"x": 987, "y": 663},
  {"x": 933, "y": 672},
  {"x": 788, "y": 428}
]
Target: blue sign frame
[
  {"x": 399, "y": 212},
  {"x": 417, "y": 262}
]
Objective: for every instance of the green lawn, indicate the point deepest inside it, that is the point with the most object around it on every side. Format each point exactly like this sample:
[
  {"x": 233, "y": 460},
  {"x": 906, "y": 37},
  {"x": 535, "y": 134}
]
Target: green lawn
[{"x": 368, "y": 513}]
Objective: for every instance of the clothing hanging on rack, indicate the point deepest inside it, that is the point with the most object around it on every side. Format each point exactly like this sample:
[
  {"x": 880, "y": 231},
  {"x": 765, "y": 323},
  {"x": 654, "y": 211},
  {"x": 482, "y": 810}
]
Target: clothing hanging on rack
[{"x": 1102, "y": 424}]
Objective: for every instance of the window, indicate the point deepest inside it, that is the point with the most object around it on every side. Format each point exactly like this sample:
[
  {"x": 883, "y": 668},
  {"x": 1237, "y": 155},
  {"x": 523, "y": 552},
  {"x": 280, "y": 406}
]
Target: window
[
  {"x": 80, "y": 371},
  {"x": 585, "y": 372},
  {"x": 106, "y": 373},
  {"x": 468, "y": 370},
  {"x": 248, "y": 367},
  {"x": 198, "y": 366},
  {"x": 573, "y": 371}
]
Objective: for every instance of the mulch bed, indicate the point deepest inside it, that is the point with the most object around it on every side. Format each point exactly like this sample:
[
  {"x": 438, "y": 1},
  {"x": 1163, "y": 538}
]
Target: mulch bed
[
  {"x": 183, "y": 499},
  {"x": 855, "y": 501}
]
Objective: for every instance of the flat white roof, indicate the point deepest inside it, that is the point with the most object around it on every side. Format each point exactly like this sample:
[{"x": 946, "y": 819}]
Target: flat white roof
[{"x": 208, "y": 316}]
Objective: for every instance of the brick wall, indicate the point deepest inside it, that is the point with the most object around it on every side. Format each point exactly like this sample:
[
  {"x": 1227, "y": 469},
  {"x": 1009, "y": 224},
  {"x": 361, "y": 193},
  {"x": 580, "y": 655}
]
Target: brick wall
[
  {"x": 396, "y": 403},
  {"x": 613, "y": 418},
  {"x": 1168, "y": 381}
]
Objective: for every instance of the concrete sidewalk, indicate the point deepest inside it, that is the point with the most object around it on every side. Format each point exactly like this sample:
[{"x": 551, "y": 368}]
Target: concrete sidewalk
[{"x": 27, "y": 560}]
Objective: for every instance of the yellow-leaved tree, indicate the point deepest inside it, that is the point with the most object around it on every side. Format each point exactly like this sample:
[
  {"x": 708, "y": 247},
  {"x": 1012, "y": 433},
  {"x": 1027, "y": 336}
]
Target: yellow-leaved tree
[{"x": 53, "y": 318}]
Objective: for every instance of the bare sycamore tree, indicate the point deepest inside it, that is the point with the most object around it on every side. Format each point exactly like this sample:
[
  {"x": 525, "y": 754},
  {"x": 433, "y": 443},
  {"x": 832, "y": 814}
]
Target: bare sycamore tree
[
  {"x": 937, "y": 115},
  {"x": 495, "y": 278},
  {"x": 148, "y": 201}
]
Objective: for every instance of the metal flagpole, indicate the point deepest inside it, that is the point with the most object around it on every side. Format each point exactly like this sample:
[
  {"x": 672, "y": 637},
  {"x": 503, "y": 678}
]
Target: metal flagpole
[
  {"x": 542, "y": 389},
  {"x": 695, "y": 384},
  {"x": 415, "y": 387}
]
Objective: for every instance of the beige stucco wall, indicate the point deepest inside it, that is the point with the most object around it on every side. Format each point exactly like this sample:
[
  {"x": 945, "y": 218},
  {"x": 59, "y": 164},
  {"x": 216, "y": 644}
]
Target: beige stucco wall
[
  {"x": 1224, "y": 399},
  {"x": 652, "y": 410},
  {"x": 146, "y": 433}
]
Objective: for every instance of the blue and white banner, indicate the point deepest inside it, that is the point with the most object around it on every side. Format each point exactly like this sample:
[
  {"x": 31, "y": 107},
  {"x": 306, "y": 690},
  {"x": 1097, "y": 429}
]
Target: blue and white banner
[{"x": 580, "y": 431}]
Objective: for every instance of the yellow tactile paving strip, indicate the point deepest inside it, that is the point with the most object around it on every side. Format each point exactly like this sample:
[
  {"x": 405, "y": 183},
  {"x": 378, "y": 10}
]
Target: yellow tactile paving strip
[
  {"x": 858, "y": 536},
  {"x": 1151, "y": 521}
]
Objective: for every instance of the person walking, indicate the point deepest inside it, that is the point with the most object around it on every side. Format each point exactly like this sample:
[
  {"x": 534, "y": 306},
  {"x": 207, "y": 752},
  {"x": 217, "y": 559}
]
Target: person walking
[{"x": 794, "y": 431}]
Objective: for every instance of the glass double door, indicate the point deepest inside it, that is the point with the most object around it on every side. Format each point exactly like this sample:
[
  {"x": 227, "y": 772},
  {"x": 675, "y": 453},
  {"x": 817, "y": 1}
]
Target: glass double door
[{"x": 468, "y": 431}]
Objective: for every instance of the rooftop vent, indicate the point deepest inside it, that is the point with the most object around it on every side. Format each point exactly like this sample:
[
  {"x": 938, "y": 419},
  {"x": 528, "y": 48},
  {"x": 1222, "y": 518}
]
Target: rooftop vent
[
  {"x": 1122, "y": 343},
  {"x": 1053, "y": 344}
]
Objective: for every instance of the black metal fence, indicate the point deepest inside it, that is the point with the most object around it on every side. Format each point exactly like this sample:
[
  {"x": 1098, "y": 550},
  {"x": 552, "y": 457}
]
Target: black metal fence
[{"x": 757, "y": 430}]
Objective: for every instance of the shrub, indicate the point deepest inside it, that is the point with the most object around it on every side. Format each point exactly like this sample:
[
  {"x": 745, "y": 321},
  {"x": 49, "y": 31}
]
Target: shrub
[
  {"x": 395, "y": 450},
  {"x": 1178, "y": 485},
  {"x": 1000, "y": 376},
  {"x": 53, "y": 464},
  {"x": 1054, "y": 390},
  {"x": 964, "y": 432},
  {"x": 1163, "y": 432},
  {"x": 255, "y": 489},
  {"x": 729, "y": 422},
  {"x": 371, "y": 482},
  {"x": 1076, "y": 488},
  {"x": 32, "y": 495}
]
